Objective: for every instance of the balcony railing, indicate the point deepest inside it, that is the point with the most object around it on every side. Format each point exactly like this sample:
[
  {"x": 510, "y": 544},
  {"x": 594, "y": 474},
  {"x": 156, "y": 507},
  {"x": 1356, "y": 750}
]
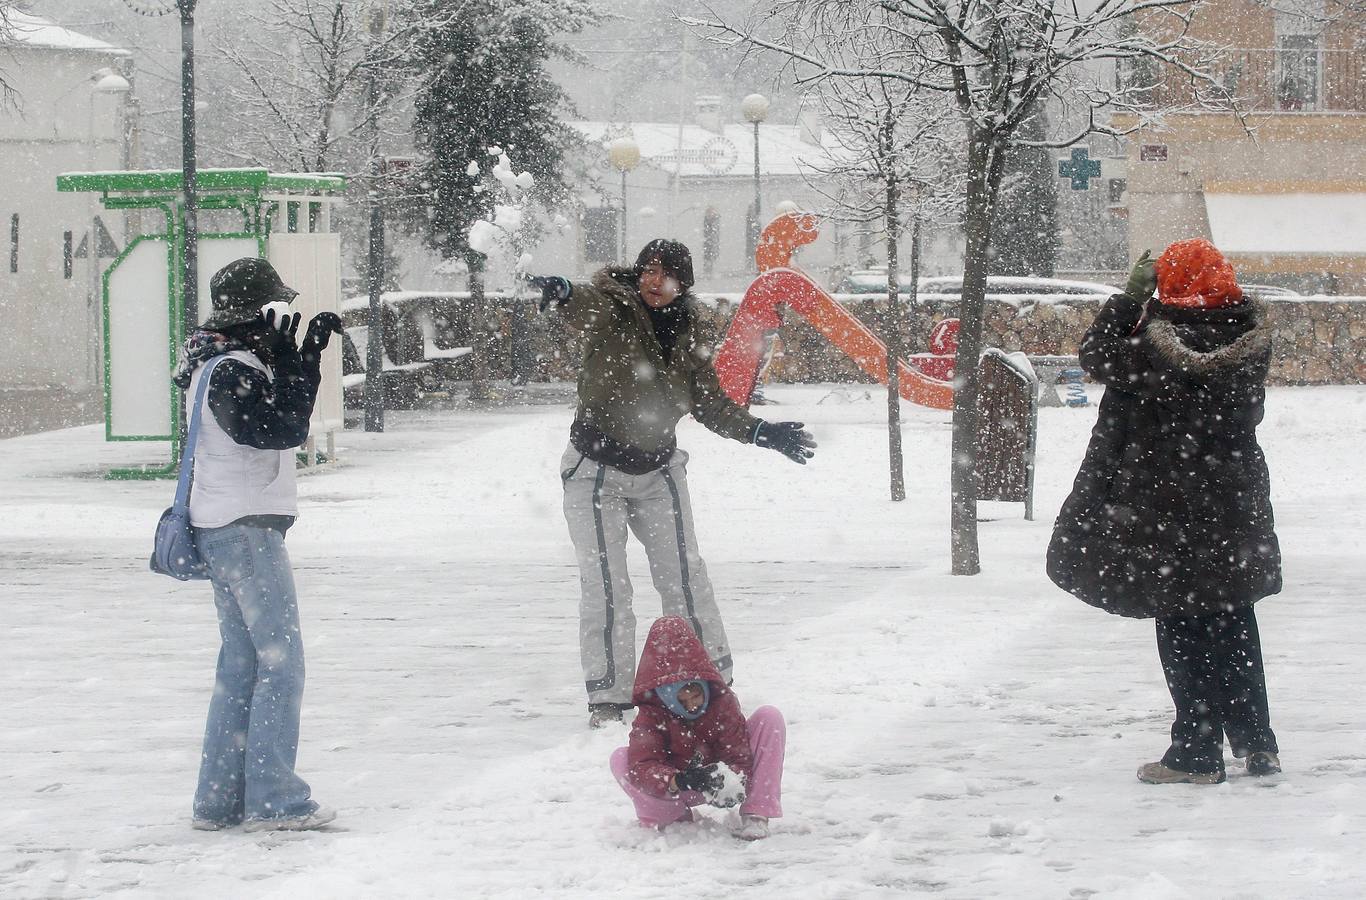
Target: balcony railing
[{"x": 1294, "y": 79}]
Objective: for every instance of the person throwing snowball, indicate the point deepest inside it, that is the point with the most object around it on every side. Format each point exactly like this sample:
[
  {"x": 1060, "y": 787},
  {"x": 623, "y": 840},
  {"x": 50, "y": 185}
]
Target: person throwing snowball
[{"x": 646, "y": 364}]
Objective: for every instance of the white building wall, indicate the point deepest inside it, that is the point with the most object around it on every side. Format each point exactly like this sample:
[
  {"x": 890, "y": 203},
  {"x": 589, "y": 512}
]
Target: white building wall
[{"x": 49, "y": 324}]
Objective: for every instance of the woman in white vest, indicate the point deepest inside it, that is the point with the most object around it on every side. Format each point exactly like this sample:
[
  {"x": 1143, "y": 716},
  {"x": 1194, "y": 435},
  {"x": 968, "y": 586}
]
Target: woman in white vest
[{"x": 242, "y": 502}]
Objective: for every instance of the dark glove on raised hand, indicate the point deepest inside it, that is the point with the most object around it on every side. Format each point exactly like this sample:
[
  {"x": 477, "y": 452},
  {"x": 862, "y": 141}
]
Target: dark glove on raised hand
[
  {"x": 277, "y": 337},
  {"x": 320, "y": 330},
  {"x": 1142, "y": 279},
  {"x": 555, "y": 291},
  {"x": 787, "y": 438},
  {"x": 703, "y": 779}
]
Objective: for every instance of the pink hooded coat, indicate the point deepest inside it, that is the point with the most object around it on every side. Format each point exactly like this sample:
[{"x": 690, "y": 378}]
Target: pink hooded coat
[{"x": 663, "y": 744}]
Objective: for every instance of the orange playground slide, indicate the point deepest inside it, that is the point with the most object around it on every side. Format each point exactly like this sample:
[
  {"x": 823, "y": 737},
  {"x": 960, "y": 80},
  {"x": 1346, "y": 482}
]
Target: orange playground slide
[{"x": 780, "y": 282}]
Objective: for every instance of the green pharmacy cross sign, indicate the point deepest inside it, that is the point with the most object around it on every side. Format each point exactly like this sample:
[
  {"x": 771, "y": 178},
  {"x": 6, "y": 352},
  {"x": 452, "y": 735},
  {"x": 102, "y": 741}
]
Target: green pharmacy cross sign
[{"x": 1080, "y": 169}]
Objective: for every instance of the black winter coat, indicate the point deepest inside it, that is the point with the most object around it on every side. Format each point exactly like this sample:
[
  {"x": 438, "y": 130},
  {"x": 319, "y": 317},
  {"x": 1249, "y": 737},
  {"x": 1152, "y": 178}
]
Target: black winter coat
[{"x": 1170, "y": 514}]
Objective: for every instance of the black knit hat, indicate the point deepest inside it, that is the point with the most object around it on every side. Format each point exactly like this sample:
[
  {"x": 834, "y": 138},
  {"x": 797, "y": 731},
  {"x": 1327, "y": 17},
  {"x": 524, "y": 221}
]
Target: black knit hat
[
  {"x": 241, "y": 288},
  {"x": 672, "y": 255}
]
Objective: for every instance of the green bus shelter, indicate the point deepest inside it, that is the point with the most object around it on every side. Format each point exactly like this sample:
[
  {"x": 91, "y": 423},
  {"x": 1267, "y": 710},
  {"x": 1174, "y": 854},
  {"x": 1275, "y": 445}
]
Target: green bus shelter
[{"x": 240, "y": 212}]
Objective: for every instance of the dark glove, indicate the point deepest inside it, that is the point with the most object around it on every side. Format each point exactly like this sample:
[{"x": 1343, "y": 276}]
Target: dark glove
[
  {"x": 787, "y": 438},
  {"x": 320, "y": 330},
  {"x": 1142, "y": 279},
  {"x": 276, "y": 338},
  {"x": 703, "y": 779},
  {"x": 555, "y": 291}
]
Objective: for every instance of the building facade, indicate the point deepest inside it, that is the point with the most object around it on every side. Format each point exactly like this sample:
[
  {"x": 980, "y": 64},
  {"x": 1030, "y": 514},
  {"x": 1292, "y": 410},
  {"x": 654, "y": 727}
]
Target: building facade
[
  {"x": 1281, "y": 190},
  {"x": 72, "y": 112}
]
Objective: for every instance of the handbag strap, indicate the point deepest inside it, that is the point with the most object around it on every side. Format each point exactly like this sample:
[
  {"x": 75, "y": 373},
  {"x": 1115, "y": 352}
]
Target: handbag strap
[{"x": 182, "y": 490}]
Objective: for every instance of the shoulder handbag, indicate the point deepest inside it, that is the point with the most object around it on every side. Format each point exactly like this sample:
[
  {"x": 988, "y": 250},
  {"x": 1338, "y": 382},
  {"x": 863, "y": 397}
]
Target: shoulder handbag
[{"x": 174, "y": 552}]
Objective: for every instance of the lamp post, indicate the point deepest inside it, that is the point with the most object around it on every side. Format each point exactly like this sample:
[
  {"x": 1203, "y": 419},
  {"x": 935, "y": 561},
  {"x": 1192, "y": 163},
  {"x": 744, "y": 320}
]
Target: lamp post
[
  {"x": 755, "y": 109},
  {"x": 105, "y": 82},
  {"x": 624, "y": 155}
]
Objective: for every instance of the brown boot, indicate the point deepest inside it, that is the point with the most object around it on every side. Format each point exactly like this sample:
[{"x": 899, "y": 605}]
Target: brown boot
[{"x": 1157, "y": 773}]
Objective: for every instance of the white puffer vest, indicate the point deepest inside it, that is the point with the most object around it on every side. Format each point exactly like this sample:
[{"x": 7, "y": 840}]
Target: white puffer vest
[{"x": 232, "y": 480}]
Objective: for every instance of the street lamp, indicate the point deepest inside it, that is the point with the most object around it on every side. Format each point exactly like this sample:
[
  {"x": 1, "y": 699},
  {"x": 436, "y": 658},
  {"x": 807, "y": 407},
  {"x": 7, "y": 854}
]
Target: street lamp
[
  {"x": 755, "y": 109},
  {"x": 624, "y": 155},
  {"x": 104, "y": 82}
]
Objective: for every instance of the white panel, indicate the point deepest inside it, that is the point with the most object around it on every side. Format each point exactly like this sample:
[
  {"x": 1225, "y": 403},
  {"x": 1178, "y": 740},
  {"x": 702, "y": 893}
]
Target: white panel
[
  {"x": 214, "y": 254},
  {"x": 311, "y": 264},
  {"x": 139, "y": 343},
  {"x": 1287, "y": 223}
]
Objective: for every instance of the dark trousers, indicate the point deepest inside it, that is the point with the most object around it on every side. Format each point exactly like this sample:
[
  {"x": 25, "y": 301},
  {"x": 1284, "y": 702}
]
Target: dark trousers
[{"x": 1213, "y": 666}]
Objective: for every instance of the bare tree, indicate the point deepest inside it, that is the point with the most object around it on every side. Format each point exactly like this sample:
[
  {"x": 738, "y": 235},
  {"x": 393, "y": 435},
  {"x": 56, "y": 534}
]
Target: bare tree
[
  {"x": 7, "y": 8},
  {"x": 893, "y": 145},
  {"x": 316, "y": 80},
  {"x": 996, "y": 60}
]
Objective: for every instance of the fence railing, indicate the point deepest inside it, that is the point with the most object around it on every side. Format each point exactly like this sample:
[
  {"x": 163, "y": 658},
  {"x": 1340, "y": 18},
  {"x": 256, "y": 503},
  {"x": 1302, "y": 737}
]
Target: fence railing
[{"x": 1294, "y": 79}]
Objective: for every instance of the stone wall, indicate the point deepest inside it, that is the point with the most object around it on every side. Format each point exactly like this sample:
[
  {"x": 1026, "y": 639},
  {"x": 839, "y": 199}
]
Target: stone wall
[
  {"x": 1316, "y": 342},
  {"x": 1319, "y": 341}
]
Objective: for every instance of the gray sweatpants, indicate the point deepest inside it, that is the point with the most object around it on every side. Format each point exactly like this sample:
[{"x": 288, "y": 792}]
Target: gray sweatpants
[{"x": 600, "y": 503}]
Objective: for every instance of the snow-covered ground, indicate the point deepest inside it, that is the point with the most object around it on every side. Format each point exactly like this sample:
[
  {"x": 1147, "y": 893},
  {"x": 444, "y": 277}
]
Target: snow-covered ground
[{"x": 961, "y": 737}]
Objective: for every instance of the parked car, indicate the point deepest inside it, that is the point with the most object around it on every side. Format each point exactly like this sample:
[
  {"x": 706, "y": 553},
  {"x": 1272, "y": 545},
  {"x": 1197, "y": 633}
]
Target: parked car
[
  {"x": 1268, "y": 292},
  {"x": 1001, "y": 285},
  {"x": 874, "y": 281},
  {"x": 870, "y": 281}
]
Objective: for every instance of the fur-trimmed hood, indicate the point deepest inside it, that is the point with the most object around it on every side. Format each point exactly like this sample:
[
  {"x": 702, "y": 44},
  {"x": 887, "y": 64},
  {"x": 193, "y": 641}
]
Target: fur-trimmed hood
[
  {"x": 1163, "y": 333},
  {"x": 619, "y": 283}
]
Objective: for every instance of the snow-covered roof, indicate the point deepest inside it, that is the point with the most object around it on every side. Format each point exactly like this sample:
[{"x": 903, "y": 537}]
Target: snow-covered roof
[
  {"x": 712, "y": 154},
  {"x": 1289, "y": 223},
  {"x": 29, "y": 30}
]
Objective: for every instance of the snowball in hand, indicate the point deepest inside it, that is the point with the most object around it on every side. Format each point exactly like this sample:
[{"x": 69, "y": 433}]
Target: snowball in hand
[
  {"x": 281, "y": 309},
  {"x": 732, "y": 789}
]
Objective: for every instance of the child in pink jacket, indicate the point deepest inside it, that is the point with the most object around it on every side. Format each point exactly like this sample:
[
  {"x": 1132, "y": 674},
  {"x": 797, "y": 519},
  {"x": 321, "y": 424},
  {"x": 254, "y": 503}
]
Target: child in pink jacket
[{"x": 688, "y": 727}]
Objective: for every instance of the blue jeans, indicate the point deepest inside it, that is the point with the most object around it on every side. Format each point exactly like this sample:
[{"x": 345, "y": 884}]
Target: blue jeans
[{"x": 252, "y": 735}]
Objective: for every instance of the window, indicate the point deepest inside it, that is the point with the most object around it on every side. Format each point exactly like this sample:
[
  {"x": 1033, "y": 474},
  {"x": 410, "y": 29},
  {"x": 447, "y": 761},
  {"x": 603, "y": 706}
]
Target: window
[
  {"x": 14, "y": 243},
  {"x": 1299, "y": 55},
  {"x": 66, "y": 254},
  {"x": 1297, "y": 71}
]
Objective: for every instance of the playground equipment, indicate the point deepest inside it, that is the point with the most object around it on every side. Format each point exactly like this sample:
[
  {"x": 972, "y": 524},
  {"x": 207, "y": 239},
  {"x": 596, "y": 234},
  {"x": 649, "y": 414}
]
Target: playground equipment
[
  {"x": 1008, "y": 386},
  {"x": 141, "y": 293},
  {"x": 925, "y": 377}
]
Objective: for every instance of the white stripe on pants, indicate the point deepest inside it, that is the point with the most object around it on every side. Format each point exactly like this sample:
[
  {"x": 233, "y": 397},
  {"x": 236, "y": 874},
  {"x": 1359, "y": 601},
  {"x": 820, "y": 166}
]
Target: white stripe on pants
[{"x": 600, "y": 504}]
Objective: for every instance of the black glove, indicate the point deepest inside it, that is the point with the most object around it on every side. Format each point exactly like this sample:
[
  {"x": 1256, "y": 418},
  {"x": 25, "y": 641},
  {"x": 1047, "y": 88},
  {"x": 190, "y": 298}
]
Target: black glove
[
  {"x": 787, "y": 438},
  {"x": 320, "y": 330},
  {"x": 703, "y": 779},
  {"x": 554, "y": 290},
  {"x": 273, "y": 339}
]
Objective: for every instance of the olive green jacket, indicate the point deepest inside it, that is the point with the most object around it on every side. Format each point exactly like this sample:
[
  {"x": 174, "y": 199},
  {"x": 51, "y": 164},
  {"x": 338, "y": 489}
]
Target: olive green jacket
[{"x": 626, "y": 388}]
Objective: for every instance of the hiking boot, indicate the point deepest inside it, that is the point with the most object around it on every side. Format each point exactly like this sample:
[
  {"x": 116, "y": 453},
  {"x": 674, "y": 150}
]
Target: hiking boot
[
  {"x": 1263, "y": 762},
  {"x": 751, "y": 828},
  {"x": 1157, "y": 773},
  {"x": 603, "y": 714},
  {"x": 316, "y": 819}
]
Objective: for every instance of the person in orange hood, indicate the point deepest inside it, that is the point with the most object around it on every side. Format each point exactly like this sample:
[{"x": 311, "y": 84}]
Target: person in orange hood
[
  {"x": 688, "y": 727},
  {"x": 1170, "y": 515}
]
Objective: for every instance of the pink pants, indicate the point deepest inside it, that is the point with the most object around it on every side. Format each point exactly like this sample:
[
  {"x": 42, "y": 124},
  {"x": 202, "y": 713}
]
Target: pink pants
[{"x": 767, "y": 741}]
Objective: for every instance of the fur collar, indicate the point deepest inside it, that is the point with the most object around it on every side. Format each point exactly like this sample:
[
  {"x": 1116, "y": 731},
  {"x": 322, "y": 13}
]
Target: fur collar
[{"x": 1162, "y": 334}]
